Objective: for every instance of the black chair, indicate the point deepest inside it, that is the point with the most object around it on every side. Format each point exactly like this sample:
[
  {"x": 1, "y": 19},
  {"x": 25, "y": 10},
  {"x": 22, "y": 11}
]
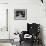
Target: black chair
[{"x": 32, "y": 29}]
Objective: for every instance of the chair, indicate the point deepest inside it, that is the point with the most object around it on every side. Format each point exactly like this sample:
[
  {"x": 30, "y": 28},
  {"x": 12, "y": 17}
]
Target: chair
[{"x": 33, "y": 30}]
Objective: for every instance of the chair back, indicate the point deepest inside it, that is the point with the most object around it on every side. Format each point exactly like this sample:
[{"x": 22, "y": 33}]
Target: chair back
[{"x": 33, "y": 28}]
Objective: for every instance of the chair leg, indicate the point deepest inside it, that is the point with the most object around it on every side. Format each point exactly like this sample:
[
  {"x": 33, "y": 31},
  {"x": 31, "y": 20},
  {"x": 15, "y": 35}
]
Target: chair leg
[
  {"x": 32, "y": 42},
  {"x": 20, "y": 42}
]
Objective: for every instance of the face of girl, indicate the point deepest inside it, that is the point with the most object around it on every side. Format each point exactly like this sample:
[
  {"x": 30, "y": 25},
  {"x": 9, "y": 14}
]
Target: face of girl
[{"x": 20, "y": 15}]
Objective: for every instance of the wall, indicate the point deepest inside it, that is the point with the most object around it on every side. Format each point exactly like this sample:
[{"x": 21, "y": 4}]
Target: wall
[
  {"x": 3, "y": 1},
  {"x": 34, "y": 10},
  {"x": 3, "y": 34},
  {"x": 3, "y": 21}
]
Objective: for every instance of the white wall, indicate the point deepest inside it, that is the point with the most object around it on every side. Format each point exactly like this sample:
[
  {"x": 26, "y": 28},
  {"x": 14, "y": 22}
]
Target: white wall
[
  {"x": 3, "y": 21},
  {"x": 3, "y": 1}
]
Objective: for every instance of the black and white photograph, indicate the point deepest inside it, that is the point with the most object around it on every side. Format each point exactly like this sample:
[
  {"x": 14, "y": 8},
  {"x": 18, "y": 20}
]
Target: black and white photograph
[
  {"x": 20, "y": 14},
  {"x": 22, "y": 22}
]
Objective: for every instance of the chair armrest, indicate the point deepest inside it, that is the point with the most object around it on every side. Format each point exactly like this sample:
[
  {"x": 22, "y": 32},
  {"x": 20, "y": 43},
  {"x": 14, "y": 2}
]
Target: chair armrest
[
  {"x": 22, "y": 35},
  {"x": 24, "y": 32}
]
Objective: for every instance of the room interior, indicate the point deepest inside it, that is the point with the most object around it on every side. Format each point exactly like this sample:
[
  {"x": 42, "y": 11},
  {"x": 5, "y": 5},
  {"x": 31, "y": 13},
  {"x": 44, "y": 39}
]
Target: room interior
[{"x": 9, "y": 27}]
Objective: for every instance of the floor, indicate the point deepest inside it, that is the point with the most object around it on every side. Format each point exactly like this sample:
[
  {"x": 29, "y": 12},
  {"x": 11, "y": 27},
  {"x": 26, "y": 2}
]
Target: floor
[
  {"x": 5, "y": 44},
  {"x": 22, "y": 44},
  {"x": 26, "y": 44}
]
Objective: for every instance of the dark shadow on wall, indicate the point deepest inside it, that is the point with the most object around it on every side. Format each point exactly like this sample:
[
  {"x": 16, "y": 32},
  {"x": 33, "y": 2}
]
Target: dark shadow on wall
[{"x": 41, "y": 35}]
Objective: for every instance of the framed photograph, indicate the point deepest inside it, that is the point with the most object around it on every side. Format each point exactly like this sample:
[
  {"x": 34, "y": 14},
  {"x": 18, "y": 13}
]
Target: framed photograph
[{"x": 20, "y": 14}]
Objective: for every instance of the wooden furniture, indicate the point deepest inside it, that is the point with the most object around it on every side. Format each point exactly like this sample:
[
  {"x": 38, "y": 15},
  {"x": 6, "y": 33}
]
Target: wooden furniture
[{"x": 33, "y": 30}]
